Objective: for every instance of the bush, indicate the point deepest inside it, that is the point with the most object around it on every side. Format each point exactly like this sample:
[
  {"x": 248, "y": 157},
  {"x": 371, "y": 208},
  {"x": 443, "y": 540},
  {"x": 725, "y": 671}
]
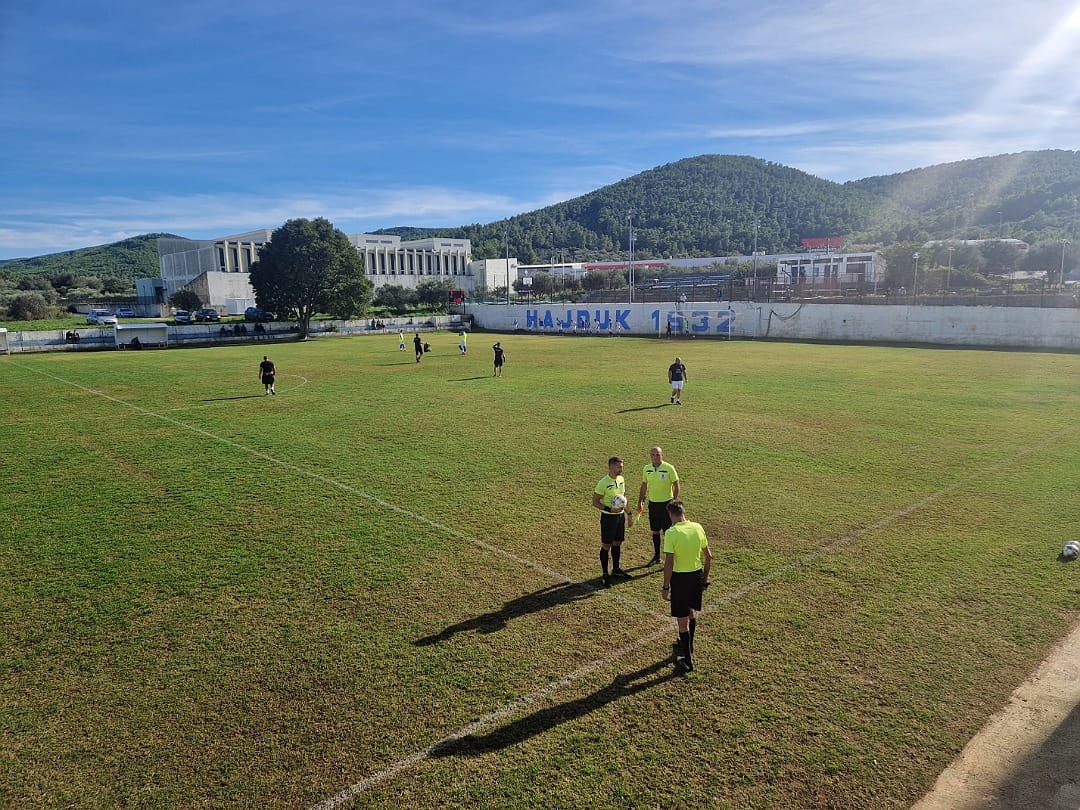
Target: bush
[
  {"x": 185, "y": 299},
  {"x": 28, "y": 306}
]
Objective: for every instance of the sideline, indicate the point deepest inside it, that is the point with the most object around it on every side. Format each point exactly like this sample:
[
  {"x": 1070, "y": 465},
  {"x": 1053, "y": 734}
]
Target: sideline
[{"x": 1026, "y": 755}]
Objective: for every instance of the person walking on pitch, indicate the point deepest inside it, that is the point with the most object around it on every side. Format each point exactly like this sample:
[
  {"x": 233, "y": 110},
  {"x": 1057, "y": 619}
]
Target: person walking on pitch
[
  {"x": 676, "y": 375},
  {"x": 687, "y": 560},
  {"x": 659, "y": 484},
  {"x": 500, "y": 358},
  {"x": 418, "y": 344},
  {"x": 401, "y": 340},
  {"x": 266, "y": 374}
]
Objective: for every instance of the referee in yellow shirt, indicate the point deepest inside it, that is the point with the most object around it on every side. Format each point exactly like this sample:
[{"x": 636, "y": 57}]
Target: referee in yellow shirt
[
  {"x": 660, "y": 483},
  {"x": 687, "y": 560},
  {"x": 612, "y": 520}
]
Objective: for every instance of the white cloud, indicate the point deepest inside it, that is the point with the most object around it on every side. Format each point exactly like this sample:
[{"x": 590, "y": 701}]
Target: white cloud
[{"x": 53, "y": 228}]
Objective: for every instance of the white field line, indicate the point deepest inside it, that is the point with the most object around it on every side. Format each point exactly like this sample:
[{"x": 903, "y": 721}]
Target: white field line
[
  {"x": 527, "y": 701},
  {"x": 507, "y": 709}
]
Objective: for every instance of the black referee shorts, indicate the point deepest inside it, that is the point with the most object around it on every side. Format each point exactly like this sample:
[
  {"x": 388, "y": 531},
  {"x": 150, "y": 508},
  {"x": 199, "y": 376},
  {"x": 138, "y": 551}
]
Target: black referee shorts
[
  {"x": 612, "y": 527},
  {"x": 686, "y": 588},
  {"x": 659, "y": 519}
]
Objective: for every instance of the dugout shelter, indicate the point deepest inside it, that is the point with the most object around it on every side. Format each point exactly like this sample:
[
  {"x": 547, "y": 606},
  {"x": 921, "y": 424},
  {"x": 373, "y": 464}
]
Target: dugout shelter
[
  {"x": 150, "y": 335},
  {"x": 3, "y": 341}
]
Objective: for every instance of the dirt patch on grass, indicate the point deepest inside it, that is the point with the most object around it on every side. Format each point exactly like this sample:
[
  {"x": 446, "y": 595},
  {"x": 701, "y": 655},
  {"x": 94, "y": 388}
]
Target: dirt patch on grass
[{"x": 1027, "y": 755}]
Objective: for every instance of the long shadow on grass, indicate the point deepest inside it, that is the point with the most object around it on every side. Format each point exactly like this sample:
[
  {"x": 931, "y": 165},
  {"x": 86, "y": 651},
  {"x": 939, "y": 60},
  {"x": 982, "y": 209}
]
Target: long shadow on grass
[
  {"x": 470, "y": 379},
  {"x": 559, "y": 594},
  {"x": 226, "y": 399},
  {"x": 546, "y": 719},
  {"x": 648, "y": 408}
]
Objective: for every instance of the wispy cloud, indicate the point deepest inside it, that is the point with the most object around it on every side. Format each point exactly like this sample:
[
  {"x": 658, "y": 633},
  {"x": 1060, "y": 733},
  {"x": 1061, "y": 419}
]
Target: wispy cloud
[{"x": 107, "y": 219}]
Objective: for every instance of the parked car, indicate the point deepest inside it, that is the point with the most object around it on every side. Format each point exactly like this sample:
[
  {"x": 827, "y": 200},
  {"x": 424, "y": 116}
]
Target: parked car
[
  {"x": 100, "y": 317},
  {"x": 181, "y": 316},
  {"x": 125, "y": 312},
  {"x": 207, "y": 314},
  {"x": 256, "y": 314}
]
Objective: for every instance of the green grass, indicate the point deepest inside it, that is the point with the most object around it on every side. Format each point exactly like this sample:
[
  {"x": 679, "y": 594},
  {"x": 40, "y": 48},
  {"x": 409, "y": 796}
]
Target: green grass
[{"x": 210, "y": 597}]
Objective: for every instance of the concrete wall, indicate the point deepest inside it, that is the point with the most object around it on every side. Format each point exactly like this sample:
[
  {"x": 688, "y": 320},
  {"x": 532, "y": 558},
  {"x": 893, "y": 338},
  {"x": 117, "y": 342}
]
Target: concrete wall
[
  {"x": 1020, "y": 327},
  {"x": 209, "y": 334},
  {"x": 1005, "y": 327}
]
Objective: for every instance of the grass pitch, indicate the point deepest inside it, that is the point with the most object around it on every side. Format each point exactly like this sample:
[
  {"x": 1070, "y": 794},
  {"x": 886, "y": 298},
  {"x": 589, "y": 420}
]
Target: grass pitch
[{"x": 376, "y": 588}]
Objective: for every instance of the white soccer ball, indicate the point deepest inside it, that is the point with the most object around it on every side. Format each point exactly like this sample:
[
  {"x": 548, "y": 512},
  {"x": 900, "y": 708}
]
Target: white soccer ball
[
  {"x": 618, "y": 503},
  {"x": 1071, "y": 550}
]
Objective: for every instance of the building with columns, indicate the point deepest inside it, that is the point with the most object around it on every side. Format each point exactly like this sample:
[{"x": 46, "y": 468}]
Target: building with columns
[{"x": 217, "y": 269}]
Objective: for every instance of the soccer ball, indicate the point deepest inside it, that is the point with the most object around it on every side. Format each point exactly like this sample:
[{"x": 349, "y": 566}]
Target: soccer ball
[
  {"x": 618, "y": 503},
  {"x": 1071, "y": 550}
]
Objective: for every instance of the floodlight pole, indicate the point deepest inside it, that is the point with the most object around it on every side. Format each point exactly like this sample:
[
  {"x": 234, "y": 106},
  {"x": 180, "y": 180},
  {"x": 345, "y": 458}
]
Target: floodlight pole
[
  {"x": 915, "y": 278},
  {"x": 1061, "y": 277},
  {"x": 630, "y": 261}
]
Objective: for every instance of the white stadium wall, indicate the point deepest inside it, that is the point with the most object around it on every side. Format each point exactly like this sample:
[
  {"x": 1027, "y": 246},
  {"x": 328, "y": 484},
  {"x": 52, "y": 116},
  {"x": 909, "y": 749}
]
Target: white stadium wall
[{"x": 1013, "y": 327}]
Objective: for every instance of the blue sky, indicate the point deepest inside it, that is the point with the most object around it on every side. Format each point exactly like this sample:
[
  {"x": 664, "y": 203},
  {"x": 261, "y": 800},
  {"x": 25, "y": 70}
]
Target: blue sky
[{"x": 211, "y": 118}]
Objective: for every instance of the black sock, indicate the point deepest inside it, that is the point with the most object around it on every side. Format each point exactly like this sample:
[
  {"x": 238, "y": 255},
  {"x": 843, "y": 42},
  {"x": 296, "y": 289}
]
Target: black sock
[
  {"x": 616, "y": 554},
  {"x": 604, "y": 560},
  {"x": 684, "y": 642},
  {"x": 656, "y": 545},
  {"x": 693, "y": 627}
]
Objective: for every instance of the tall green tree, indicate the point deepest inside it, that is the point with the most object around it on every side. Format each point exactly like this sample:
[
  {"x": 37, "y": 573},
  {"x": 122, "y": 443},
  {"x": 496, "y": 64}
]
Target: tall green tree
[
  {"x": 309, "y": 266},
  {"x": 435, "y": 293}
]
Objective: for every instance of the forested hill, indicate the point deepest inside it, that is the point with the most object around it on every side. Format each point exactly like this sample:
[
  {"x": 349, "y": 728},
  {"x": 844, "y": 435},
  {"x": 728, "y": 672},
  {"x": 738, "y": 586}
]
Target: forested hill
[
  {"x": 713, "y": 205},
  {"x": 128, "y": 259},
  {"x": 702, "y": 206},
  {"x": 1029, "y": 196},
  {"x": 708, "y": 206}
]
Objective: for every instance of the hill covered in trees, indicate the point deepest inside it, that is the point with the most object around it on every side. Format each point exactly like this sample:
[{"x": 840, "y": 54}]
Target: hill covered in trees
[
  {"x": 126, "y": 260},
  {"x": 708, "y": 206}
]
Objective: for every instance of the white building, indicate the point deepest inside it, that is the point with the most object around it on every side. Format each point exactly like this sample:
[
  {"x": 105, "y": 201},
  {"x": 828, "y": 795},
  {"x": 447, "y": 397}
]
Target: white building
[
  {"x": 217, "y": 269},
  {"x": 492, "y": 274}
]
